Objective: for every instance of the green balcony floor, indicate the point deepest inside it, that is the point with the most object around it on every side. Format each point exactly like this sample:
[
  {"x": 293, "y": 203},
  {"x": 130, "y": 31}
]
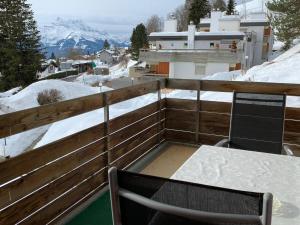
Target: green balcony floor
[{"x": 98, "y": 213}]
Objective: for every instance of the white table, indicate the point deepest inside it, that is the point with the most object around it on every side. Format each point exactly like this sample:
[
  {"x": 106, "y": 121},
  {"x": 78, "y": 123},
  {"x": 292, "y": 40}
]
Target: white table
[{"x": 249, "y": 171}]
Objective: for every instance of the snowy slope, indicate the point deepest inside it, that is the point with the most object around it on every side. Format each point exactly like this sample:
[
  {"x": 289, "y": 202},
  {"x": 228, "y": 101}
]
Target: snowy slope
[{"x": 27, "y": 98}]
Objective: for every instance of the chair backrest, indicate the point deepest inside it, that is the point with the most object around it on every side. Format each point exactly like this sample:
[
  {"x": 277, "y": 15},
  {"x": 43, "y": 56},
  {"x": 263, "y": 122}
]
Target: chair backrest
[
  {"x": 257, "y": 122},
  {"x": 146, "y": 200}
]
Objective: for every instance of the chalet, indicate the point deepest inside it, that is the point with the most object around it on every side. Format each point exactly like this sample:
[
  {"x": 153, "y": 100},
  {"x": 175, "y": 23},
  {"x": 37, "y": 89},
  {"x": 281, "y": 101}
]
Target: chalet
[
  {"x": 108, "y": 56},
  {"x": 83, "y": 65}
]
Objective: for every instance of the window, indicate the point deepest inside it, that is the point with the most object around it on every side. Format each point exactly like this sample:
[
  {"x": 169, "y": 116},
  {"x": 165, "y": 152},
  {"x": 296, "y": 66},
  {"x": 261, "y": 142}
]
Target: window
[
  {"x": 212, "y": 45},
  {"x": 172, "y": 44},
  {"x": 200, "y": 69},
  {"x": 185, "y": 44}
]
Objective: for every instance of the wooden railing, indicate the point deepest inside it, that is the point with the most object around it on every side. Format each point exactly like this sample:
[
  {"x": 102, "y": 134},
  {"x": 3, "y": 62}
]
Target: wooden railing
[
  {"x": 207, "y": 122},
  {"x": 43, "y": 185}
]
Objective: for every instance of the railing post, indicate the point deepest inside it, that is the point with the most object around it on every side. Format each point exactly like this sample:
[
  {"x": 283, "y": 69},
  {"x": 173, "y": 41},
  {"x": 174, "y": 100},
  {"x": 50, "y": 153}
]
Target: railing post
[
  {"x": 106, "y": 127},
  {"x": 159, "y": 110},
  {"x": 198, "y": 108}
]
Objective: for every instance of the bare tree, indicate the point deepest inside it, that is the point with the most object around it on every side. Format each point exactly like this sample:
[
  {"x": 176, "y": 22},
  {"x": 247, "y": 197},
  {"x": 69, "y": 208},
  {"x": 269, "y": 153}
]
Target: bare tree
[{"x": 154, "y": 24}]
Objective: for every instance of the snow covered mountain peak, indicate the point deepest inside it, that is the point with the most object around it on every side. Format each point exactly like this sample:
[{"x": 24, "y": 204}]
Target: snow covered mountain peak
[{"x": 62, "y": 35}]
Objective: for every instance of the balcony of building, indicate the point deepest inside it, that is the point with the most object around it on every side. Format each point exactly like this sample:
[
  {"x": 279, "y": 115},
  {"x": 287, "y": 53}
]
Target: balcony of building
[
  {"x": 65, "y": 182},
  {"x": 231, "y": 56}
]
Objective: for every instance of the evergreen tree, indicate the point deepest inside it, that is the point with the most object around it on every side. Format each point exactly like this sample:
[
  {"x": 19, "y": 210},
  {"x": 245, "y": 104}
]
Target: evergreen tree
[
  {"x": 20, "y": 47},
  {"x": 219, "y": 4},
  {"x": 230, "y": 7},
  {"x": 139, "y": 39},
  {"x": 199, "y": 9},
  {"x": 285, "y": 20},
  {"x": 106, "y": 45},
  {"x": 52, "y": 56}
]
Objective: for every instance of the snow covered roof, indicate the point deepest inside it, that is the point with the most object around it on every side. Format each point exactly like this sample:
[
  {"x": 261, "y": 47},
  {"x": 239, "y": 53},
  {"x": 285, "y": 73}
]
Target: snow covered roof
[{"x": 78, "y": 62}]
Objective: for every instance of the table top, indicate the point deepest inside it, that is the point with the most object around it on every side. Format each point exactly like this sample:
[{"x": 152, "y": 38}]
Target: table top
[{"x": 249, "y": 171}]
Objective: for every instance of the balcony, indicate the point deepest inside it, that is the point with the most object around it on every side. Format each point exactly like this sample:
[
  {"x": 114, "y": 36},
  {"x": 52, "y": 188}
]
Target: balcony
[
  {"x": 56, "y": 182},
  {"x": 191, "y": 55}
]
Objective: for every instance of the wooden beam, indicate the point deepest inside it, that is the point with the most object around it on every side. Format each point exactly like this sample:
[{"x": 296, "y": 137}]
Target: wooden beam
[
  {"x": 255, "y": 87},
  {"x": 126, "y": 93},
  {"x": 132, "y": 117},
  {"x": 63, "y": 203},
  {"x": 40, "y": 198},
  {"x": 31, "y": 160},
  {"x": 16, "y": 122},
  {"x": 28, "y": 183},
  {"x": 181, "y": 84}
]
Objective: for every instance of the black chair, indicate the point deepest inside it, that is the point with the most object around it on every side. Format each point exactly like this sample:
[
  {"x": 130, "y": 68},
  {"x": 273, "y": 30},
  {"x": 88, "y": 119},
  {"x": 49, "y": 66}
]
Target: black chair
[
  {"x": 257, "y": 123},
  {"x": 146, "y": 200}
]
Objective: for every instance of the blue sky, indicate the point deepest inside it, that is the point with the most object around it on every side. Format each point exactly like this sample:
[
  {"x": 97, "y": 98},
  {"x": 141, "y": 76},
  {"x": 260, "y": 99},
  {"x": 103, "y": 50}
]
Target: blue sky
[{"x": 109, "y": 14}]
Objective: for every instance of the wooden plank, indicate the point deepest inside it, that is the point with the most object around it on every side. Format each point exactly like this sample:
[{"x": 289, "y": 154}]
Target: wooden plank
[
  {"x": 292, "y": 113},
  {"x": 16, "y": 122},
  {"x": 180, "y": 120},
  {"x": 35, "y": 179},
  {"x": 129, "y": 118},
  {"x": 182, "y": 84},
  {"x": 136, "y": 153},
  {"x": 126, "y": 93},
  {"x": 218, "y": 107},
  {"x": 184, "y": 104},
  {"x": 209, "y": 139},
  {"x": 180, "y": 136},
  {"x": 255, "y": 87},
  {"x": 60, "y": 205},
  {"x": 29, "y": 161},
  {"x": 43, "y": 196},
  {"x": 181, "y": 125},
  {"x": 292, "y": 138},
  {"x": 123, "y": 135},
  {"x": 131, "y": 143},
  {"x": 213, "y": 123},
  {"x": 292, "y": 126}
]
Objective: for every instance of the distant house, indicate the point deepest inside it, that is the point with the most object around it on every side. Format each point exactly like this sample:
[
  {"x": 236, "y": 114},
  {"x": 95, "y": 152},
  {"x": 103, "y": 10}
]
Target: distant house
[
  {"x": 64, "y": 66},
  {"x": 82, "y": 66},
  {"x": 48, "y": 68},
  {"x": 108, "y": 56}
]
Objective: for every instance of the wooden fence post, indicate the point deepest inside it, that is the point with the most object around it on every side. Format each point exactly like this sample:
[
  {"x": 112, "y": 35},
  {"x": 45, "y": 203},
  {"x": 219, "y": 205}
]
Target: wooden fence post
[
  {"x": 198, "y": 108},
  {"x": 159, "y": 110},
  {"x": 106, "y": 128}
]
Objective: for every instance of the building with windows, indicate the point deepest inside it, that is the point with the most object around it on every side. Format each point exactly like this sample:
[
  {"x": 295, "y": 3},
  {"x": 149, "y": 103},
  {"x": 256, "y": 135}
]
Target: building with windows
[{"x": 218, "y": 44}]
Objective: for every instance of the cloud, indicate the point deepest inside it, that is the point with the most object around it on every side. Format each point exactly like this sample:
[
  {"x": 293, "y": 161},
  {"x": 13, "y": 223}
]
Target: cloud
[{"x": 119, "y": 14}]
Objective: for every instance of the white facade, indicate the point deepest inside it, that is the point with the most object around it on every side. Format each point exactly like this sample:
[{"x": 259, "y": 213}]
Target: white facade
[{"x": 243, "y": 42}]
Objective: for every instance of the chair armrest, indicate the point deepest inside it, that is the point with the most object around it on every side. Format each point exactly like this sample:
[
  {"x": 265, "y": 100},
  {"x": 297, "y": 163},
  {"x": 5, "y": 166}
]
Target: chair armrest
[
  {"x": 287, "y": 151},
  {"x": 222, "y": 143}
]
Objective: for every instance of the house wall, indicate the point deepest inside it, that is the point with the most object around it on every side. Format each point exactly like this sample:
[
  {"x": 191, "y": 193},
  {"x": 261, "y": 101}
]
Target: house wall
[
  {"x": 106, "y": 58},
  {"x": 212, "y": 68},
  {"x": 172, "y": 44},
  {"x": 187, "y": 70},
  {"x": 229, "y": 25}
]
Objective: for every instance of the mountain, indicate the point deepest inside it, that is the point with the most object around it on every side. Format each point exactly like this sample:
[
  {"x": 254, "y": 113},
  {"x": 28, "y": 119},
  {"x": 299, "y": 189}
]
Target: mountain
[{"x": 63, "y": 35}]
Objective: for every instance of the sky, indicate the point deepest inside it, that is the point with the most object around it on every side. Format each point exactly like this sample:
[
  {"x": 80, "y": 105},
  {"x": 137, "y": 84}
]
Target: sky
[{"x": 109, "y": 15}]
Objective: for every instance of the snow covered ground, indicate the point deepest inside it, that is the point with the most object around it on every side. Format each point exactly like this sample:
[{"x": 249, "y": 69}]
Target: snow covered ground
[
  {"x": 284, "y": 69},
  {"x": 116, "y": 72}
]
